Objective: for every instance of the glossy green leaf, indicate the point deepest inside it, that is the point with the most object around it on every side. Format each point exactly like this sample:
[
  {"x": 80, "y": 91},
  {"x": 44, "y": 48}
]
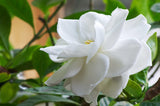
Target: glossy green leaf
[
  {"x": 44, "y": 5},
  {"x": 7, "y": 92},
  {"x": 141, "y": 77},
  {"x": 112, "y": 4},
  {"x": 45, "y": 98},
  {"x": 156, "y": 7},
  {"x": 4, "y": 77},
  {"x": 144, "y": 7},
  {"x": 153, "y": 44},
  {"x": 23, "y": 57},
  {"x": 43, "y": 64},
  {"x": 154, "y": 102},
  {"x": 19, "y": 8},
  {"x": 5, "y": 25},
  {"x": 133, "y": 89},
  {"x": 56, "y": 90}
]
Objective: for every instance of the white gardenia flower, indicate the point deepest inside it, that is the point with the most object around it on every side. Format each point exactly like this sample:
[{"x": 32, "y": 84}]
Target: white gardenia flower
[{"x": 102, "y": 52}]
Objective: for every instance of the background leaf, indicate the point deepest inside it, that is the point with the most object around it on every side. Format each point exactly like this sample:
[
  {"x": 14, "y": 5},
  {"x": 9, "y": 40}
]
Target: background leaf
[
  {"x": 4, "y": 77},
  {"x": 5, "y": 24},
  {"x": 133, "y": 89},
  {"x": 19, "y": 8},
  {"x": 144, "y": 7},
  {"x": 44, "y": 5},
  {"x": 153, "y": 44},
  {"x": 112, "y": 4},
  {"x": 156, "y": 7},
  {"x": 7, "y": 92},
  {"x": 45, "y": 98},
  {"x": 154, "y": 102}
]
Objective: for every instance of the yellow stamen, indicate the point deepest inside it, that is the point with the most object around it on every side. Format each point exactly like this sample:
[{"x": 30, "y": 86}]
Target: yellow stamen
[{"x": 88, "y": 42}]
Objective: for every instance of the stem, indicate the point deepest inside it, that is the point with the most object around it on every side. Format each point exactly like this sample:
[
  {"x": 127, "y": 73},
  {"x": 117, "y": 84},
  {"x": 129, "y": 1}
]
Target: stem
[
  {"x": 91, "y": 4},
  {"x": 47, "y": 104},
  {"x": 48, "y": 30}
]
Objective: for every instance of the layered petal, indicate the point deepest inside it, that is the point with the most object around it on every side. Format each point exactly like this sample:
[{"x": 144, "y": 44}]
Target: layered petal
[
  {"x": 92, "y": 97},
  {"x": 136, "y": 28},
  {"x": 144, "y": 59},
  {"x": 87, "y": 22},
  {"x": 114, "y": 27},
  {"x": 68, "y": 30},
  {"x": 68, "y": 70},
  {"x": 91, "y": 75},
  {"x": 112, "y": 87},
  {"x": 122, "y": 56},
  {"x": 100, "y": 32},
  {"x": 68, "y": 51}
]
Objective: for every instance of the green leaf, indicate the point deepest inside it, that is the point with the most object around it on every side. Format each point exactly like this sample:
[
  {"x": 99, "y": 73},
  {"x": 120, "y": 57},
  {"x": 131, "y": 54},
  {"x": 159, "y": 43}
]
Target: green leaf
[
  {"x": 44, "y": 5},
  {"x": 133, "y": 89},
  {"x": 156, "y": 7},
  {"x": 4, "y": 77},
  {"x": 43, "y": 64},
  {"x": 154, "y": 102},
  {"x": 56, "y": 90},
  {"x": 7, "y": 92},
  {"x": 19, "y": 8},
  {"x": 153, "y": 44},
  {"x": 23, "y": 57},
  {"x": 112, "y": 4},
  {"x": 45, "y": 98},
  {"x": 141, "y": 77},
  {"x": 5, "y": 25},
  {"x": 143, "y": 7}
]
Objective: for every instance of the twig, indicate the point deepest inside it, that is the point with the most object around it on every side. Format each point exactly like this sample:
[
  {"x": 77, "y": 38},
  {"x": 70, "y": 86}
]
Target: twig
[
  {"x": 153, "y": 91},
  {"x": 91, "y": 4},
  {"x": 48, "y": 30}
]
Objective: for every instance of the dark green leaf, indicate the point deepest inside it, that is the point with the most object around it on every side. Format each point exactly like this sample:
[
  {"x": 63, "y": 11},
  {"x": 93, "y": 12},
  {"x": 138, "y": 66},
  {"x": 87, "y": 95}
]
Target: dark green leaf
[
  {"x": 133, "y": 89},
  {"x": 19, "y": 8},
  {"x": 112, "y": 4},
  {"x": 43, "y": 64},
  {"x": 23, "y": 57},
  {"x": 153, "y": 44},
  {"x": 7, "y": 104},
  {"x": 45, "y": 98},
  {"x": 156, "y": 7},
  {"x": 143, "y": 7},
  {"x": 154, "y": 102},
  {"x": 4, "y": 77},
  {"x": 7, "y": 92},
  {"x": 44, "y": 5},
  {"x": 141, "y": 77},
  {"x": 56, "y": 90},
  {"x": 5, "y": 24}
]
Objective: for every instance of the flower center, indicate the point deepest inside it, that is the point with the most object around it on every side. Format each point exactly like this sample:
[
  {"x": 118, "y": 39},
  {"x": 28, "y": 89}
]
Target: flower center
[{"x": 88, "y": 42}]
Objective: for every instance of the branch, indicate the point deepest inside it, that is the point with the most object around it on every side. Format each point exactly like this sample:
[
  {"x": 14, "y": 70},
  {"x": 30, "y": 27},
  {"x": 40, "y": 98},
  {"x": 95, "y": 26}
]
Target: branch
[{"x": 153, "y": 91}]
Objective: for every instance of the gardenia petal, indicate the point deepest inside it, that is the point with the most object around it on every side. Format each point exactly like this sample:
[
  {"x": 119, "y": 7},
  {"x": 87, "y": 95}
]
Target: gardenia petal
[
  {"x": 114, "y": 27},
  {"x": 68, "y": 70},
  {"x": 144, "y": 59},
  {"x": 122, "y": 56},
  {"x": 136, "y": 28},
  {"x": 100, "y": 32},
  {"x": 68, "y": 30},
  {"x": 90, "y": 75},
  {"x": 68, "y": 51},
  {"x": 87, "y": 22},
  {"x": 112, "y": 87}
]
